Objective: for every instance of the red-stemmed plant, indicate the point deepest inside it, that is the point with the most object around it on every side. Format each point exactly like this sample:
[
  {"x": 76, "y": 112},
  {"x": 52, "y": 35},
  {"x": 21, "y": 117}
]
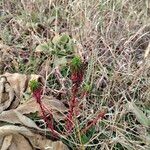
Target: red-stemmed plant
[
  {"x": 76, "y": 78},
  {"x": 77, "y": 73},
  {"x": 37, "y": 91}
]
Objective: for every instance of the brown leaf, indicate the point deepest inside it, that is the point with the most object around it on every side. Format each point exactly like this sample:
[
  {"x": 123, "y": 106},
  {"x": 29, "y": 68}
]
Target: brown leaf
[
  {"x": 19, "y": 82},
  {"x": 21, "y": 138},
  {"x": 15, "y": 117},
  {"x": 15, "y": 85},
  {"x": 6, "y": 142},
  {"x": 6, "y": 94},
  {"x": 51, "y": 103},
  {"x": 42, "y": 143}
]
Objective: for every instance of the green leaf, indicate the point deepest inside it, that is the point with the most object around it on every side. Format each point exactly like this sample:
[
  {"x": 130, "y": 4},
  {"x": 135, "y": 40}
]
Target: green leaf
[
  {"x": 33, "y": 85},
  {"x": 76, "y": 63},
  {"x": 64, "y": 39},
  {"x": 44, "y": 47},
  {"x": 88, "y": 135},
  {"x": 139, "y": 114},
  {"x": 84, "y": 139},
  {"x": 87, "y": 87}
]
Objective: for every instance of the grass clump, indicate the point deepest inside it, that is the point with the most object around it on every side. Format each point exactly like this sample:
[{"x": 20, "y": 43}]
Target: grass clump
[{"x": 101, "y": 45}]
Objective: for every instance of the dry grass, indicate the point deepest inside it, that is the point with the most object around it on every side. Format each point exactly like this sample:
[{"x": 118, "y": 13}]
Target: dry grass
[{"x": 113, "y": 36}]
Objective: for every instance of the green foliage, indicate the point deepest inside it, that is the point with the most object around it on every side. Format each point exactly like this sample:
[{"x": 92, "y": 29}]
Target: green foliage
[
  {"x": 76, "y": 63},
  {"x": 34, "y": 85},
  {"x": 60, "y": 46},
  {"x": 88, "y": 135},
  {"x": 45, "y": 47},
  {"x": 64, "y": 39},
  {"x": 87, "y": 87},
  {"x": 34, "y": 116}
]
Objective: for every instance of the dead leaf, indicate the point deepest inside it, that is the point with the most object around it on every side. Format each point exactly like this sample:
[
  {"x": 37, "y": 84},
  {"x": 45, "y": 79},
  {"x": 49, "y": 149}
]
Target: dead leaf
[
  {"x": 17, "y": 116},
  {"x": 16, "y": 139},
  {"x": 12, "y": 87},
  {"x": 14, "y": 117},
  {"x": 51, "y": 103},
  {"x": 19, "y": 82},
  {"x": 7, "y": 129},
  {"x": 19, "y": 142},
  {"x": 7, "y": 94},
  {"x": 15, "y": 85},
  {"x": 6, "y": 142},
  {"x": 21, "y": 138},
  {"x": 46, "y": 144}
]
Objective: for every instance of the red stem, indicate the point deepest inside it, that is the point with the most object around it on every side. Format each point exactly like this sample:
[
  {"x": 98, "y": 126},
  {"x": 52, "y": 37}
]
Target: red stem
[
  {"x": 37, "y": 94},
  {"x": 76, "y": 78}
]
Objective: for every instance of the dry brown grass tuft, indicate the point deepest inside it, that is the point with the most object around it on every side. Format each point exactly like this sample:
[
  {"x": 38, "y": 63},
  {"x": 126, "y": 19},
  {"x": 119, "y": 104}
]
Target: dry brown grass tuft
[{"x": 113, "y": 36}]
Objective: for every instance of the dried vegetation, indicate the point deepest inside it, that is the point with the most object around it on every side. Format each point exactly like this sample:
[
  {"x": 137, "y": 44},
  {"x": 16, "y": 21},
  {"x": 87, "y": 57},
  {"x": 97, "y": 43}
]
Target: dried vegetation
[{"x": 39, "y": 38}]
